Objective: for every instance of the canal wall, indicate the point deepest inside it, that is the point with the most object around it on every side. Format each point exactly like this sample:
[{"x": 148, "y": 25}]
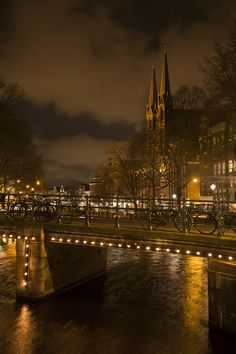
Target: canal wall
[
  {"x": 222, "y": 295},
  {"x": 44, "y": 268}
]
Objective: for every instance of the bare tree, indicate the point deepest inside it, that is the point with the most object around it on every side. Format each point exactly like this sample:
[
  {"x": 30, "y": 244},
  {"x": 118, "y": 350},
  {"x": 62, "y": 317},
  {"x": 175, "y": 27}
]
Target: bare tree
[
  {"x": 155, "y": 165},
  {"x": 177, "y": 155},
  {"x": 220, "y": 70},
  {"x": 18, "y": 157},
  {"x": 125, "y": 172},
  {"x": 189, "y": 98}
]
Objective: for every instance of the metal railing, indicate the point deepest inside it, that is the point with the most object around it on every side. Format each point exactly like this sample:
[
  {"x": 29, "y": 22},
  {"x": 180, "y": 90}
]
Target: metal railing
[{"x": 206, "y": 217}]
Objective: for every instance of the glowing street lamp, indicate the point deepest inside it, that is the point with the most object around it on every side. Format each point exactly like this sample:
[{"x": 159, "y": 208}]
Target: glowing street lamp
[
  {"x": 39, "y": 185},
  {"x": 213, "y": 187}
]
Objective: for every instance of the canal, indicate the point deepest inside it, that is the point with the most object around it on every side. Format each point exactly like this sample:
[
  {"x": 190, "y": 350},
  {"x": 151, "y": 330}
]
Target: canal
[{"x": 148, "y": 303}]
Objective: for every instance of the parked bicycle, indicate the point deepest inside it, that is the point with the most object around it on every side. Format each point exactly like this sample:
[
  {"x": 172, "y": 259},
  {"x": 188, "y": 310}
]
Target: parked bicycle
[{"x": 217, "y": 216}]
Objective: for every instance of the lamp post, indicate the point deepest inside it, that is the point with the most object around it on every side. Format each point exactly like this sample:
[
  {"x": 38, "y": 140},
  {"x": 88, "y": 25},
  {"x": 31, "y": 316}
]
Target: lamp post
[
  {"x": 39, "y": 183},
  {"x": 213, "y": 189}
]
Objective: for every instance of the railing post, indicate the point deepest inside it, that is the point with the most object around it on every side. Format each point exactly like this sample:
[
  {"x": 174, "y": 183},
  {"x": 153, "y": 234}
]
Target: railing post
[
  {"x": 117, "y": 212},
  {"x": 58, "y": 207},
  {"x": 87, "y": 211},
  {"x": 149, "y": 214},
  {"x": 184, "y": 214},
  {"x": 8, "y": 204},
  {"x": 219, "y": 218}
]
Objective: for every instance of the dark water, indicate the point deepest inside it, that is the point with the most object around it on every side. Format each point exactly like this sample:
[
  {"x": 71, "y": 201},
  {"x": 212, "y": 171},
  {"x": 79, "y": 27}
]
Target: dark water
[{"x": 148, "y": 303}]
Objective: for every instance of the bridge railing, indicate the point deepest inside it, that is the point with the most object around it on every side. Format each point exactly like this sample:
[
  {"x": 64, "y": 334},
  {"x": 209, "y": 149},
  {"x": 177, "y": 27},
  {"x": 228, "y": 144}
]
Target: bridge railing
[{"x": 204, "y": 215}]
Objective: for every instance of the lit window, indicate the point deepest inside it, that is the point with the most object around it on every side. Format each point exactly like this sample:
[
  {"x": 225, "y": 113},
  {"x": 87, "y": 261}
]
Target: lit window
[
  {"x": 234, "y": 165},
  {"x": 223, "y": 167},
  {"x": 215, "y": 169},
  {"x": 230, "y": 165},
  {"x": 219, "y": 168}
]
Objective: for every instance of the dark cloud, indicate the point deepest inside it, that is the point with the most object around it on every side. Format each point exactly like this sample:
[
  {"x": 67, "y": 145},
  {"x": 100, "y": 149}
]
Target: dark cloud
[
  {"x": 59, "y": 174},
  {"x": 74, "y": 157},
  {"x": 50, "y": 124},
  {"x": 151, "y": 18},
  {"x": 6, "y": 25}
]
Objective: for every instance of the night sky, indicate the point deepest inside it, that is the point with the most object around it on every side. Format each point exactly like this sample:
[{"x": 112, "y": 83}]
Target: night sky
[{"x": 85, "y": 67}]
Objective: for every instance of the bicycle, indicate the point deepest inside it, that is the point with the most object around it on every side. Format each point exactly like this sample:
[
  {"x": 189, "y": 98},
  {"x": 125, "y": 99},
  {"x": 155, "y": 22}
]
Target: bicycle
[
  {"x": 159, "y": 216},
  {"x": 39, "y": 211}
]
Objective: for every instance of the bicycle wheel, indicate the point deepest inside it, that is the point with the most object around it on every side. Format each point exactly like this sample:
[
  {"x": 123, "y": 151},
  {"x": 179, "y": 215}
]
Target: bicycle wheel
[
  {"x": 183, "y": 220},
  {"x": 40, "y": 213},
  {"x": 205, "y": 223},
  {"x": 17, "y": 211},
  {"x": 158, "y": 219},
  {"x": 231, "y": 224}
]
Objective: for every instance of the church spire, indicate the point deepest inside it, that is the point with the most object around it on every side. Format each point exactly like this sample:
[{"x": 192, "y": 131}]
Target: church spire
[
  {"x": 153, "y": 100},
  {"x": 152, "y": 107},
  {"x": 164, "y": 92}
]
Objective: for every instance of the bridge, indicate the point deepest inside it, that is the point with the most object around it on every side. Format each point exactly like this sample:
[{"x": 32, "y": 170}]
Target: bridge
[{"x": 55, "y": 256}]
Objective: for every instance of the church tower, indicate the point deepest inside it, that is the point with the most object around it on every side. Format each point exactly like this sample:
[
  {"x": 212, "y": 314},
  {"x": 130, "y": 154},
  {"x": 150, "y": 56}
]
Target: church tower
[
  {"x": 159, "y": 104},
  {"x": 164, "y": 97},
  {"x": 152, "y": 106}
]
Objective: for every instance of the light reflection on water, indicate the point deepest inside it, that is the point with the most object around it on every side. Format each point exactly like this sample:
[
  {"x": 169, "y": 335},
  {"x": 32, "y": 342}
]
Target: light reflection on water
[{"x": 148, "y": 303}]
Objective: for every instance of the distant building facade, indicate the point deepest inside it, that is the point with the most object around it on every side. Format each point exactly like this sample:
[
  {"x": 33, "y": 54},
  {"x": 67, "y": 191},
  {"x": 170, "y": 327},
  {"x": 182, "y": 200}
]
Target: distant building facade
[{"x": 217, "y": 146}]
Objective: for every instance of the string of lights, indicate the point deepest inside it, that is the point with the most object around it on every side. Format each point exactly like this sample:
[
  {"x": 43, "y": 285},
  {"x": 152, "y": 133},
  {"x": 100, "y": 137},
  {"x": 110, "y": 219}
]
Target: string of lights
[
  {"x": 144, "y": 247},
  {"x": 106, "y": 243},
  {"x": 152, "y": 247}
]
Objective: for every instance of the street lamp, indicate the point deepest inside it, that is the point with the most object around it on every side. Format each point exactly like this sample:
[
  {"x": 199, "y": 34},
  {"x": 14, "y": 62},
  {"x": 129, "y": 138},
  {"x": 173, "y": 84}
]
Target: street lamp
[
  {"x": 213, "y": 187},
  {"x": 39, "y": 183}
]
